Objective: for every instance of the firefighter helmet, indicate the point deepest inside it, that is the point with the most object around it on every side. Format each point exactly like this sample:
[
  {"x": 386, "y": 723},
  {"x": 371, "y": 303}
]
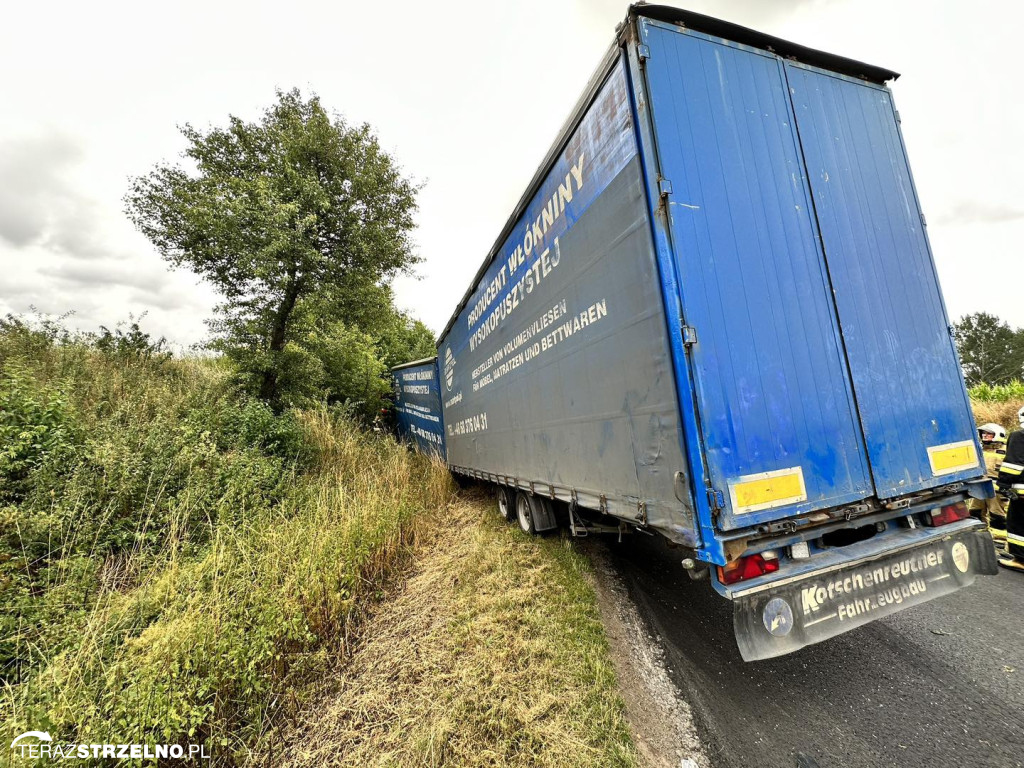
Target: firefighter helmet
[{"x": 993, "y": 429}]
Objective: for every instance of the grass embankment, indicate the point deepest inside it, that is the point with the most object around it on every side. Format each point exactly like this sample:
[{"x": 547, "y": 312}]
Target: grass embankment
[
  {"x": 178, "y": 564},
  {"x": 493, "y": 654}
]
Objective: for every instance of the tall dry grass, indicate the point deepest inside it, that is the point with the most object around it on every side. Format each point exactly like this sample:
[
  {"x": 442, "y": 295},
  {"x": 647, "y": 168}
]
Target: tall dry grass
[
  {"x": 1002, "y": 413},
  {"x": 493, "y": 654}
]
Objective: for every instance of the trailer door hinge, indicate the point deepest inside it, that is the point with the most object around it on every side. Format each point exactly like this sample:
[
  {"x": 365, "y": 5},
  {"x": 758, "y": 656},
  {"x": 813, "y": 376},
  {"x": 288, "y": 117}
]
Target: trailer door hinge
[
  {"x": 665, "y": 187},
  {"x": 716, "y": 500},
  {"x": 689, "y": 335},
  {"x": 897, "y": 112},
  {"x": 924, "y": 221},
  {"x": 643, "y": 52}
]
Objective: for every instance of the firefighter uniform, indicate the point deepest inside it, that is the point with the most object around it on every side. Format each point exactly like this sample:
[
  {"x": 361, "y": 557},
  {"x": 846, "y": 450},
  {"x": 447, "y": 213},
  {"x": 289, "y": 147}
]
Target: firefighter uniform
[
  {"x": 992, "y": 510},
  {"x": 1011, "y": 473}
]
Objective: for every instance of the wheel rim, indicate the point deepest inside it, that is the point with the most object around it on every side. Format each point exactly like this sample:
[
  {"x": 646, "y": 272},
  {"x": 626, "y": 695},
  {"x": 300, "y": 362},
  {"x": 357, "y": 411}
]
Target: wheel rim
[
  {"x": 503, "y": 503},
  {"x": 523, "y": 513}
]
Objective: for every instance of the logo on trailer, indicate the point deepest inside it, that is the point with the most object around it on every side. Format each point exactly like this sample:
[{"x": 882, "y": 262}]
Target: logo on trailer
[
  {"x": 961, "y": 557},
  {"x": 449, "y": 368}
]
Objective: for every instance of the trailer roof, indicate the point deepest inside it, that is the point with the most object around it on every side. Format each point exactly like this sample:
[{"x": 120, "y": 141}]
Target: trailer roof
[
  {"x": 413, "y": 363},
  {"x": 691, "y": 20},
  {"x": 746, "y": 36}
]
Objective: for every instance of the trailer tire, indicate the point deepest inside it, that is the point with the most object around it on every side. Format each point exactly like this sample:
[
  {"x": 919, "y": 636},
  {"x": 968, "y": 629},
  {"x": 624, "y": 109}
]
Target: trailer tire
[
  {"x": 506, "y": 503},
  {"x": 524, "y": 513}
]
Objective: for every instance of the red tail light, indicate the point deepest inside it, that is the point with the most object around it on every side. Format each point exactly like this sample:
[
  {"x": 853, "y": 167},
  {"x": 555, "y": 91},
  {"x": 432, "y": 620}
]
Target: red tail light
[
  {"x": 946, "y": 515},
  {"x": 749, "y": 567}
]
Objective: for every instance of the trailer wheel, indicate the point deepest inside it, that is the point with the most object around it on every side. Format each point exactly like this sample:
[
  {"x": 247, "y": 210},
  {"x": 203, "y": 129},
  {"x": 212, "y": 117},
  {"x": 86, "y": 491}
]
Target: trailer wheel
[
  {"x": 524, "y": 513},
  {"x": 506, "y": 503}
]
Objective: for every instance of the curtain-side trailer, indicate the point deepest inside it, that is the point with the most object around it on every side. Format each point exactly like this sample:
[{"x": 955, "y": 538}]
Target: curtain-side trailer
[
  {"x": 714, "y": 315},
  {"x": 418, "y": 416}
]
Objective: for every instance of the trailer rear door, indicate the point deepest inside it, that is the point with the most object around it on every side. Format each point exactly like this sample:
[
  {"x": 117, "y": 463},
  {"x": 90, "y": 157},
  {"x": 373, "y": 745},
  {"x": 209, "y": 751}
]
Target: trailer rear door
[
  {"x": 780, "y": 427},
  {"x": 910, "y": 393}
]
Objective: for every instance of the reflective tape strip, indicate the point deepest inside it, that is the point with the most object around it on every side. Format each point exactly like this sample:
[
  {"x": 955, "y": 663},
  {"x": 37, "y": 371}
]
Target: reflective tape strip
[
  {"x": 952, "y": 457},
  {"x": 1011, "y": 469},
  {"x": 1013, "y": 538},
  {"x": 765, "y": 490}
]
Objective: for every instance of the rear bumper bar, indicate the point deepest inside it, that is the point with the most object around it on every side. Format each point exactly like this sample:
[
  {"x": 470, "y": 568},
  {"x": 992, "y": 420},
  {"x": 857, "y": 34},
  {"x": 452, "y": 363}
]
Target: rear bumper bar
[{"x": 782, "y": 619}]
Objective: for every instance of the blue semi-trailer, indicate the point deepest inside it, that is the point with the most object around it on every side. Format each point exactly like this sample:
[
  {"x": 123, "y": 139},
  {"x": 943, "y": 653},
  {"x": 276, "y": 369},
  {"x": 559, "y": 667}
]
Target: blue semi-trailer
[
  {"x": 714, "y": 315},
  {"x": 417, "y": 409}
]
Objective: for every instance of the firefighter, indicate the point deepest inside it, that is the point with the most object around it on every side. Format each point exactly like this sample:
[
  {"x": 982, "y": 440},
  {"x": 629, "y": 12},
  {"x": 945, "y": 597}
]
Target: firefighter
[
  {"x": 1011, "y": 482},
  {"x": 992, "y": 511}
]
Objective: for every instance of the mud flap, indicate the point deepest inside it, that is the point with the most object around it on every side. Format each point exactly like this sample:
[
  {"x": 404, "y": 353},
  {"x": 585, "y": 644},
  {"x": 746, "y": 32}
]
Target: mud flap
[
  {"x": 543, "y": 514},
  {"x": 783, "y": 619}
]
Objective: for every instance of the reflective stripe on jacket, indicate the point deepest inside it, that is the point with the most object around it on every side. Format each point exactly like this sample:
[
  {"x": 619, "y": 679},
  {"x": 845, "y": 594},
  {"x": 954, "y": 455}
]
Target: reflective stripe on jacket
[{"x": 1012, "y": 470}]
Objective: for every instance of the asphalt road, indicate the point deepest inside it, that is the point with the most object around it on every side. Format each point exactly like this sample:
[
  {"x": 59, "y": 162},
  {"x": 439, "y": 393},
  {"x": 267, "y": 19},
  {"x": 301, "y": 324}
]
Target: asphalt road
[{"x": 940, "y": 684}]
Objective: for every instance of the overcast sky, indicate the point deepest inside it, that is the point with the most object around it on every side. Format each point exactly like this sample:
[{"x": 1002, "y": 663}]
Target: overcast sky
[{"x": 468, "y": 98}]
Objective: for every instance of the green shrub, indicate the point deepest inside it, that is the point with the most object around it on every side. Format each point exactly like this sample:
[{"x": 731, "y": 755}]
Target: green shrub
[
  {"x": 174, "y": 556},
  {"x": 35, "y": 425},
  {"x": 986, "y": 393}
]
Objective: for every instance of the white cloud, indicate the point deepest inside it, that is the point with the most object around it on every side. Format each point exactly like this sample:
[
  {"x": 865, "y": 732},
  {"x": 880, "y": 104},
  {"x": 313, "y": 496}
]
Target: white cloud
[
  {"x": 980, "y": 212},
  {"x": 467, "y": 97},
  {"x": 34, "y": 192}
]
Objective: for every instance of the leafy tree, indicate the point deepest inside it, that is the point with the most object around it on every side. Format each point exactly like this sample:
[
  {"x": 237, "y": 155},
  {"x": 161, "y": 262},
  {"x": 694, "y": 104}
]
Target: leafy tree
[
  {"x": 990, "y": 351},
  {"x": 402, "y": 339},
  {"x": 295, "y": 212},
  {"x": 348, "y": 362},
  {"x": 353, "y": 372}
]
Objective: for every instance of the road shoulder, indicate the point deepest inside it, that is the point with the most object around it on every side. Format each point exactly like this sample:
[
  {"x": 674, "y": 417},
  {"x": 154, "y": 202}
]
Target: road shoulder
[{"x": 659, "y": 717}]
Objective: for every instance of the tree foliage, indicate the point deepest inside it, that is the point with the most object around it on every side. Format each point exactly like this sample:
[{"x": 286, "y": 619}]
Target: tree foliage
[
  {"x": 990, "y": 351},
  {"x": 402, "y": 339},
  {"x": 300, "y": 221}
]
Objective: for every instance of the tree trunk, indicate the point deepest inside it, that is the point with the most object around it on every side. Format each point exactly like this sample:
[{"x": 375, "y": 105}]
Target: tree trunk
[{"x": 268, "y": 388}]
